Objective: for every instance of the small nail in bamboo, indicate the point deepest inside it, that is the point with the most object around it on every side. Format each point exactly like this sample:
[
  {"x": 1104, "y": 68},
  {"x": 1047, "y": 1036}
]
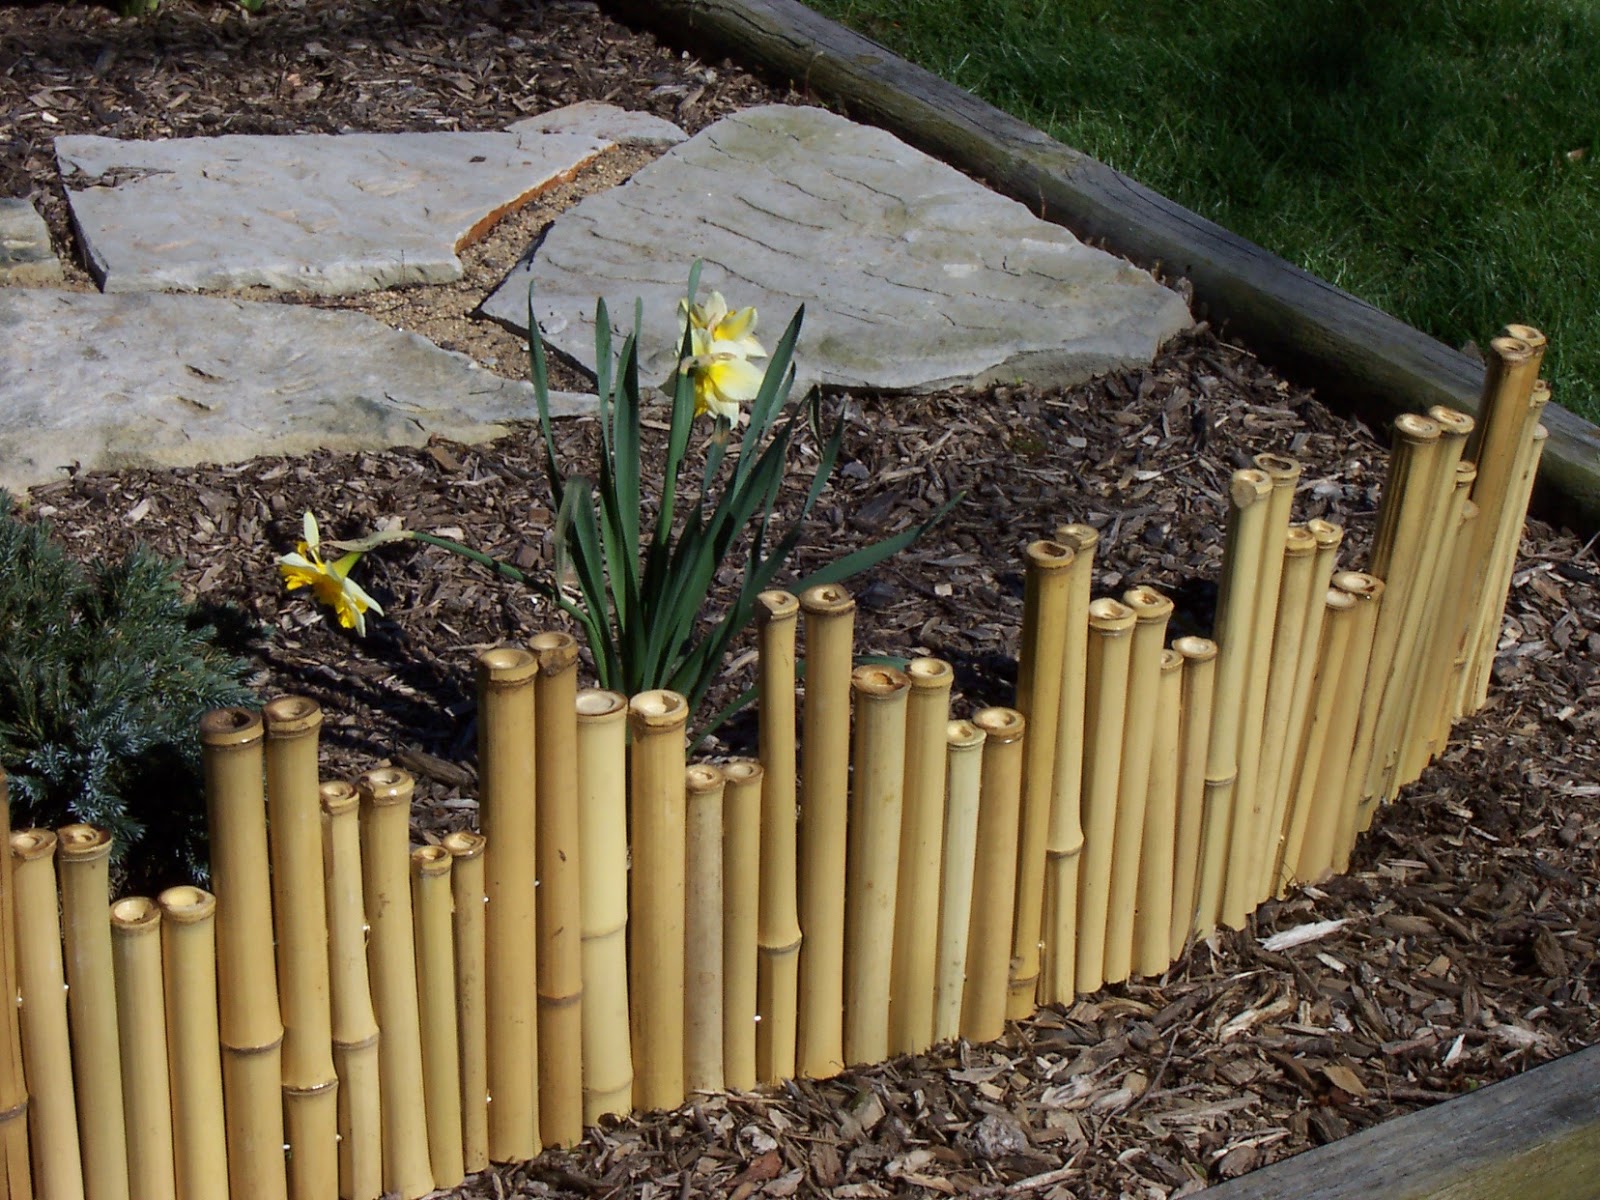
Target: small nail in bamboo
[
  {"x": 777, "y": 918},
  {"x": 964, "y": 773},
  {"x": 467, "y": 937},
  {"x": 194, "y": 1043},
  {"x": 741, "y": 890},
  {"x": 436, "y": 1003},
  {"x": 702, "y": 966},
  {"x": 1158, "y": 855},
  {"x": 994, "y": 876},
  {"x": 1194, "y": 733},
  {"x": 16, "y": 1174},
  {"x": 142, "y": 1036}
]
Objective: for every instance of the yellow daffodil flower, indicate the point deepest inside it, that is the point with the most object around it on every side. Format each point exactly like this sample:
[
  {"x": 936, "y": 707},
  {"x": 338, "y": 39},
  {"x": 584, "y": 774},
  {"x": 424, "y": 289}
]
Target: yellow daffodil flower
[
  {"x": 329, "y": 582},
  {"x": 722, "y": 343}
]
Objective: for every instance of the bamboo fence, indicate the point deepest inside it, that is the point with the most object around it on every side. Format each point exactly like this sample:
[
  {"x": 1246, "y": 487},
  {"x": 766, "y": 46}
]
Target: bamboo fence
[{"x": 629, "y": 926}]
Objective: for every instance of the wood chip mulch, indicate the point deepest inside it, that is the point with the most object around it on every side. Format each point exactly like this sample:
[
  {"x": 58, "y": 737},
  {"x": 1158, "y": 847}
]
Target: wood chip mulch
[{"x": 1470, "y": 914}]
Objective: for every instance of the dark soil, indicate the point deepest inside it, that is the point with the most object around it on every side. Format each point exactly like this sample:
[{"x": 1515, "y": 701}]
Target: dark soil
[{"x": 1471, "y": 906}]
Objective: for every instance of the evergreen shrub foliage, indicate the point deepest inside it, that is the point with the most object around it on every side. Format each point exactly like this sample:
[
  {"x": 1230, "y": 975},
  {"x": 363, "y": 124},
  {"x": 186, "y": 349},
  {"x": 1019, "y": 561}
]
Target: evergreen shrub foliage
[{"x": 104, "y": 673}]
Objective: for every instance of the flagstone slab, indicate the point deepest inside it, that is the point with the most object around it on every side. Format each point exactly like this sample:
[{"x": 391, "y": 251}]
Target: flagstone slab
[
  {"x": 26, "y": 257},
  {"x": 153, "y": 380},
  {"x": 914, "y": 277},
  {"x": 331, "y": 214},
  {"x": 606, "y": 121}
]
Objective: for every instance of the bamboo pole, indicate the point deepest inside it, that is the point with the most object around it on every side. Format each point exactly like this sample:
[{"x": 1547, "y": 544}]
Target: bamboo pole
[
  {"x": 1250, "y": 804},
  {"x": 1194, "y": 733},
  {"x": 994, "y": 875},
  {"x": 84, "y": 860},
  {"x": 1039, "y": 669},
  {"x": 506, "y": 800},
  {"x": 142, "y": 1037},
  {"x": 656, "y": 902},
  {"x": 1106, "y": 699},
  {"x": 466, "y": 934},
  {"x": 877, "y": 798},
  {"x": 16, "y": 1172},
  {"x": 436, "y": 1005},
  {"x": 1151, "y": 612},
  {"x": 391, "y": 960},
  {"x": 46, "y": 1044},
  {"x": 741, "y": 892},
  {"x": 1248, "y": 493},
  {"x": 1328, "y": 536},
  {"x": 355, "y": 1027},
  {"x": 603, "y": 845},
  {"x": 963, "y": 772},
  {"x": 194, "y": 1042},
  {"x": 1299, "y": 571},
  {"x": 559, "y": 919},
  {"x": 1152, "y": 930},
  {"x": 1515, "y": 356},
  {"x": 777, "y": 918},
  {"x": 824, "y": 801},
  {"x": 702, "y": 964},
  {"x": 1059, "y": 923},
  {"x": 247, "y": 985},
  {"x": 1355, "y": 810},
  {"x": 300, "y": 919},
  {"x": 1454, "y": 649},
  {"x": 916, "y": 903}
]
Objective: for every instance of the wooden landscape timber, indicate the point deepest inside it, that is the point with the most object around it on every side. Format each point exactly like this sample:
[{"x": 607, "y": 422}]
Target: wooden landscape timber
[{"x": 1352, "y": 353}]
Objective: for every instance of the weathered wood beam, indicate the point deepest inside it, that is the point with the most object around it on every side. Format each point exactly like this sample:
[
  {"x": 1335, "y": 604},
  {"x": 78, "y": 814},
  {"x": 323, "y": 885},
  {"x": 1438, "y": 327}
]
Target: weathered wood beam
[{"x": 1355, "y": 355}]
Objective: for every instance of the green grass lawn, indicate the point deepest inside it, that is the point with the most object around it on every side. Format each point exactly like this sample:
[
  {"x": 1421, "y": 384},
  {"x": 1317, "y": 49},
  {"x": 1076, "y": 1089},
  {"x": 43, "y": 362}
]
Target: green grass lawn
[{"x": 1439, "y": 158}]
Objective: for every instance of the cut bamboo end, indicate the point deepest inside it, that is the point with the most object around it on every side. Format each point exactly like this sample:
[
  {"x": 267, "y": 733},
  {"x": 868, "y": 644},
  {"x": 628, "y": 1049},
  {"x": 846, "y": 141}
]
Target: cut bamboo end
[
  {"x": 964, "y": 746},
  {"x": 1158, "y": 853},
  {"x": 741, "y": 855},
  {"x": 657, "y": 897},
  {"x": 914, "y": 967},
  {"x": 873, "y": 860},
  {"x": 704, "y": 788},
  {"x": 142, "y": 1036},
  {"x": 1194, "y": 731},
  {"x": 431, "y": 868},
  {"x": 983, "y": 1004}
]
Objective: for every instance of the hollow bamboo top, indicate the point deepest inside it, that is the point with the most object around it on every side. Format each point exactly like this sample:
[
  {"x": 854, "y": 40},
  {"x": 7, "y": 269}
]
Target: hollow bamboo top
[
  {"x": 1540, "y": 433},
  {"x": 386, "y": 786},
  {"x": 506, "y": 667},
  {"x": 1466, "y": 474},
  {"x": 777, "y": 605},
  {"x": 964, "y": 735},
  {"x": 464, "y": 845},
  {"x": 1540, "y": 397},
  {"x": 1511, "y": 349},
  {"x": 598, "y": 706},
  {"x": 1111, "y": 618},
  {"x": 1451, "y": 422},
  {"x": 135, "y": 915},
  {"x": 1469, "y": 511},
  {"x": 1526, "y": 333},
  {"x": 875, "y": 682},
  {"x": 658, "y": 710},
  {"x": 556, "y": 650},
  {"x": 291, "y": 716},
  {"x": 827, "y": 600},
  {"x": 1416, "y": 429},
  {"x": 701, "y": 779},
  {"x": 1339, "y": 600},
  {"x": 230, "y": 727},
  {"x": 930, "y": 675},
  {"x": 30, "y": 845},
  {"x": 1001, "y": 725},
  {"x": 1079, "y": 536},
  {"x": 431, "y": 861},
  {"x": 185, "y": 905},
  {"x": 339, "y": 796},
  {"x": 1195, "y": 649},
  {"x": 1248, "y": 487},
  {"x": 1048, "y": 556},
  {"x": 1149, "y": 606},
  {"x": 1328, "y": 534},
  {"x": 1280, "y": 468},
  {"x": 1171, "y": 660},
  {"x": 1359, "y": 584},
  {"x": 743, "y": 770},
  {"x": 1299, "y": 542},
  {"x": 83, "y": 843}
]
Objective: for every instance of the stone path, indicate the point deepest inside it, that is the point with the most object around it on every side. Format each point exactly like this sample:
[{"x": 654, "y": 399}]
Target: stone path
[{"x": 914, "y": 278}]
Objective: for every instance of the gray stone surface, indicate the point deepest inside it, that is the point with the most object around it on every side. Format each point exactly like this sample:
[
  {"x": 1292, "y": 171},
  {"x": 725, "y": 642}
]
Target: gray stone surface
[
  {"x": 325, "y": 213},
  {"x": 162, "y": 380},
  {"x": 26, "y": 259},
  {"x": 913, "y": 276},
  {"x": 606, "y": 121}
]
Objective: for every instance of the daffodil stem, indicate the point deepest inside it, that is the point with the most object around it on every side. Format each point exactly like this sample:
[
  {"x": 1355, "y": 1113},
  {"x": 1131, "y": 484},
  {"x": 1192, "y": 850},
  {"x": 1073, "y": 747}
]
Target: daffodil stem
[{"x": 494, "y": 564}]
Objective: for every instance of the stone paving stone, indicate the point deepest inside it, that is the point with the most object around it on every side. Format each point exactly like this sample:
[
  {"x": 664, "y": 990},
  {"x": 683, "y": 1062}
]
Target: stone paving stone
[
  {"x": 106, "y": 382},
  {"x": 914, "y": 277},
  {"x": 325, "y": 213},
  {"x": 605, "y": 121},
  {"x": 26, "y": 259}
]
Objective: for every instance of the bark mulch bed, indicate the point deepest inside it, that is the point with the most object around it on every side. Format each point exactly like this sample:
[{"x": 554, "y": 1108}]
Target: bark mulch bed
[{"x": 1468, "y": 951}]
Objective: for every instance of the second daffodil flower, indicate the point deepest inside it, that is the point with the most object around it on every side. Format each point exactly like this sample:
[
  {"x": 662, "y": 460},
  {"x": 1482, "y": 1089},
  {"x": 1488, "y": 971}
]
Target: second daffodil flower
[
  {"x": 329, "y": 582},
  {"x": 722, "y": 343}
]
